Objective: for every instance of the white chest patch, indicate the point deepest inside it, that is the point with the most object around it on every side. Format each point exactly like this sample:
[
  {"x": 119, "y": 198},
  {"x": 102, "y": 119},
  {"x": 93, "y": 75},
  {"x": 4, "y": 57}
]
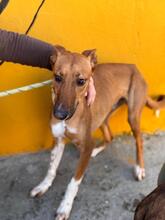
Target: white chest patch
[
  {"x": 71, "y": 130},
  {"x": 59, "y": 129}
]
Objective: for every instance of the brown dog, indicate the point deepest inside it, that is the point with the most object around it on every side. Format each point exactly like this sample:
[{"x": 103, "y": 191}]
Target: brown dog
[{"x": 115, "y": 84}]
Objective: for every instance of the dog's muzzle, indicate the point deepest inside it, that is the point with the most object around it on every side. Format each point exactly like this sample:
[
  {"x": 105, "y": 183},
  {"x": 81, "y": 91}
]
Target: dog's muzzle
[{"x": 61, "y": 113}]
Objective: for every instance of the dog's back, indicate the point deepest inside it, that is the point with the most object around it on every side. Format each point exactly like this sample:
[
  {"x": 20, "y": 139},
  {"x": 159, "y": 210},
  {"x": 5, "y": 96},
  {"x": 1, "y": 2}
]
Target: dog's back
[{"x": 112, "y": 82}]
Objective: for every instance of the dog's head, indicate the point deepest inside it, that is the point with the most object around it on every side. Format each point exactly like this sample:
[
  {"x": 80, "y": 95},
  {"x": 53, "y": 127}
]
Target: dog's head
[{"x": 71, "y": 74}]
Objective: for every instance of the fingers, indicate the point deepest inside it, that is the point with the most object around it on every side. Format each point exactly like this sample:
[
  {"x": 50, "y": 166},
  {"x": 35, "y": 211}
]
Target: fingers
[{"x": 91, "y": 92}]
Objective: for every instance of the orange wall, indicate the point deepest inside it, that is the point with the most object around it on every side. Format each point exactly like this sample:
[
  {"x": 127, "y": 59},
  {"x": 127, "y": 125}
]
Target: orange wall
[{"x": 130, "y": 31}]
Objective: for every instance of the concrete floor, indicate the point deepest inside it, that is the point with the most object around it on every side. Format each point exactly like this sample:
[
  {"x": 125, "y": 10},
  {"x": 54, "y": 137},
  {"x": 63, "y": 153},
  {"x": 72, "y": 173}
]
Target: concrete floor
[{"x": 108, "y": 191}]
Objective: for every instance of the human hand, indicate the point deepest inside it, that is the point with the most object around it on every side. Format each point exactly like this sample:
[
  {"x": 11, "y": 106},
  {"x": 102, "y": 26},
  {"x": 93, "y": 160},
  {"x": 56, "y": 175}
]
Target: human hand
[{"x": 91, "y": 93}]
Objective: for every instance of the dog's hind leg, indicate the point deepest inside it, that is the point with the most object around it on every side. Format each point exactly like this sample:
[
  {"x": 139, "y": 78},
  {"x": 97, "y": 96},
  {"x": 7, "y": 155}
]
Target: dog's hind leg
[
  {"x": 107, "y": 138},
  {"x": 56, "y": 155},
  {"x": 136, "y": 102},
  {"x": 134, "y": 121},
  {"x": 106, "y": 131}
]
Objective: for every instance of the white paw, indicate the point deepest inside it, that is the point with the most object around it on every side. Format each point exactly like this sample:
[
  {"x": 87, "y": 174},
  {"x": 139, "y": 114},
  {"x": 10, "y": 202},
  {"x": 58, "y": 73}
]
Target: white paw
[
  {"x": 96, "y": 151},
  {"x": 61, "y": 216},
  {"x": 139, "y": 173},
  {"x": 39, "y": 190},
  {"x": 63, "y": 210}
]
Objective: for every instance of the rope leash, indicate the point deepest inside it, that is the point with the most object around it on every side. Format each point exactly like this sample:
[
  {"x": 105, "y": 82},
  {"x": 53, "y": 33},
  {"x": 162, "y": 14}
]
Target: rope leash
[
  {"x": 25, "y": 88},
  {"x": 39, "y": 85}
]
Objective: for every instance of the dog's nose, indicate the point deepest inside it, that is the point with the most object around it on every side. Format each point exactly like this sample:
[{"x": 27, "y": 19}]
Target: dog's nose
[{"x": 60, "y": 113}]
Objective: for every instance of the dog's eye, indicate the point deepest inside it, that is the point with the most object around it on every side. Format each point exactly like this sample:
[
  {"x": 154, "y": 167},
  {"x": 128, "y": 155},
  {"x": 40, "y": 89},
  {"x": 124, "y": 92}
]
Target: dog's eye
[
  {"x": 58, "y": 78},
  {"x": 81, "y": 82}
]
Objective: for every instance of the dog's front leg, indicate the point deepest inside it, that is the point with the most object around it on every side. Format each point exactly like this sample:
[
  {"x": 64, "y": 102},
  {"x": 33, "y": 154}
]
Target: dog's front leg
[
  {"x": 56, "y": 155},
  {"x": 63, "y": 212}
]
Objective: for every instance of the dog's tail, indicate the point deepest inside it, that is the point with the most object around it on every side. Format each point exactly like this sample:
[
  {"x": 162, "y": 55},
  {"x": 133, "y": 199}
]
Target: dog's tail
[{"x": 156, "y": 104}]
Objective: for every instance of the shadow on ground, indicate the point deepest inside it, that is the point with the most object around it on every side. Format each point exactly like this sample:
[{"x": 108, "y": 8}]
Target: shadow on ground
[{"x": 108, "y": 192}]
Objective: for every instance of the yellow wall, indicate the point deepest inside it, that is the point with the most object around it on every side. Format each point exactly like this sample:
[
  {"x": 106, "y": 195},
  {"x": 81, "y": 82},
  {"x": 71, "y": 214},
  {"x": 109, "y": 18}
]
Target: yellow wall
[{"x": 130, "y": 31}]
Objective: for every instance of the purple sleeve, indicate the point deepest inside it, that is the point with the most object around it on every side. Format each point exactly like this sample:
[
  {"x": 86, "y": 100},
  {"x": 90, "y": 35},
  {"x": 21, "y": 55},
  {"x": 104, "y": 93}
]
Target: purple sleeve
[{"x": 19, "y": 48}]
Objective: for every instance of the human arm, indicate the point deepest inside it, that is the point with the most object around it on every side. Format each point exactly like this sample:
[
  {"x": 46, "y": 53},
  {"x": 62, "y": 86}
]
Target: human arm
[{"x": 20, "y": 48}]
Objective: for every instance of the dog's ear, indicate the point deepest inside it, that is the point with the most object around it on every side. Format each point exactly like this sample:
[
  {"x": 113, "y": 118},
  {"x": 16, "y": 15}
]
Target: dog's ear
[
  {"x": 91, "y": 54},
  {"x": 58, "y": 50}
]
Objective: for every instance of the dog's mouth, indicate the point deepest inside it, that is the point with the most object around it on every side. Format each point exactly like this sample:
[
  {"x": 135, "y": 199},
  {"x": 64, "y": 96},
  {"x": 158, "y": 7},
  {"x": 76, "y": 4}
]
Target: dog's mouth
[{"x": 71, "y": 113}]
